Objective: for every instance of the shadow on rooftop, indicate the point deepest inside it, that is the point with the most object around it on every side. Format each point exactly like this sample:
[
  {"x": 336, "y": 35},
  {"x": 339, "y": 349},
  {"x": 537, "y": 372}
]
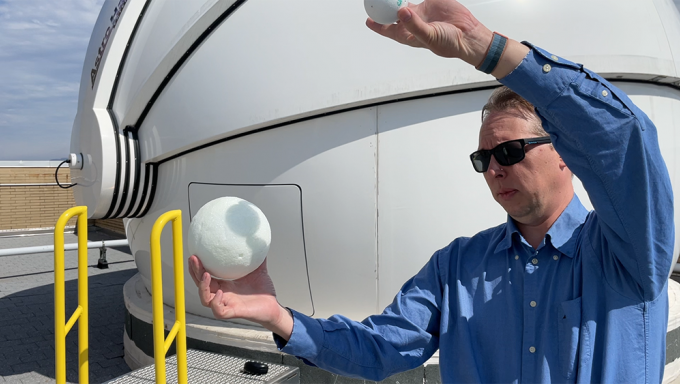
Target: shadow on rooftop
[{"x": 27, "y": 329}]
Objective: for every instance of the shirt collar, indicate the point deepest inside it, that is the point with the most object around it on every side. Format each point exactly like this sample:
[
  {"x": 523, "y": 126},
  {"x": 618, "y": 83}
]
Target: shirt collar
[{"x": 561, "y": 234}]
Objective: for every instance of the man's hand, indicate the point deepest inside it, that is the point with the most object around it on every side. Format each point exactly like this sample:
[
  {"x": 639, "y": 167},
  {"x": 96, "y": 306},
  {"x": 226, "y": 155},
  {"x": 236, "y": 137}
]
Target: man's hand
[
  {"x": 448, "y": 29},
  {"x": 251, "y": 297}
]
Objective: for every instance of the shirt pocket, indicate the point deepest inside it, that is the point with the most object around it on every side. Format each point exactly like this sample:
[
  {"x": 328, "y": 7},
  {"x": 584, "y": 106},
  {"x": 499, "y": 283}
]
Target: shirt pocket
[{"x": 568, "y": 329}]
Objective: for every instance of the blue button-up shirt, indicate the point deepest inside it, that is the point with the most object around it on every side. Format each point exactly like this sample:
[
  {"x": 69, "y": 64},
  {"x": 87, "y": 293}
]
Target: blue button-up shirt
[{"x": 589, "y": 305}]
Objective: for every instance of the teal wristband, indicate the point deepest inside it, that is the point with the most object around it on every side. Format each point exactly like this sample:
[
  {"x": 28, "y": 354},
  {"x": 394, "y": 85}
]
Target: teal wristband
[{"x": 493, "y": 55}]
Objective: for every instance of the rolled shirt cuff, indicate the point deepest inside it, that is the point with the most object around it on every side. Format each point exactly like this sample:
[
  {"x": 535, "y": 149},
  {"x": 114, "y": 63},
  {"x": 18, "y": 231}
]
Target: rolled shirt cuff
[{"x": 306, "y": 341}]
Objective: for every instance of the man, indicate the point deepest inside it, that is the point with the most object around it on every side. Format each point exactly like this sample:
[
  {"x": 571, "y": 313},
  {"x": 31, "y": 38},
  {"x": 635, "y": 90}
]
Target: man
[{"x": 556, "y": 294}]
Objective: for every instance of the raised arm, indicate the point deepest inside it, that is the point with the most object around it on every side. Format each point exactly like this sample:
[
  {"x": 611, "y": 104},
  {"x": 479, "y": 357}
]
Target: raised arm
[
  {"x": 602, "y": 136},
  {"x": 612, "y": 146}
]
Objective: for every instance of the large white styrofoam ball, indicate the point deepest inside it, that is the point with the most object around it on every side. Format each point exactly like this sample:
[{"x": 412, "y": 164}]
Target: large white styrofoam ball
[
  {"x": 230, "y": 236},
  {"x": 384, "y": 11}
]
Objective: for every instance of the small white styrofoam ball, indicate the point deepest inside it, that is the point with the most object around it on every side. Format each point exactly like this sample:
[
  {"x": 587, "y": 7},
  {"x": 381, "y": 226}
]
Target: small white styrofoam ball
[
  {"x": 384, "y": 11},
  {"x": 230, "y": 236}
]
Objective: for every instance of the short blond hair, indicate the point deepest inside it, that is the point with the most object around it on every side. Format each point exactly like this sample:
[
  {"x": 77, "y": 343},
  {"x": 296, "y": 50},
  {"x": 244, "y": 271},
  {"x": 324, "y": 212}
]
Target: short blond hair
[{"x": 504, "y": 99}]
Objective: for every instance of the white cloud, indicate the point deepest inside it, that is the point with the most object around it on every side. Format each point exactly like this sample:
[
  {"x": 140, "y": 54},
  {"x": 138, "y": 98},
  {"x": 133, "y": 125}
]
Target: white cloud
[{"x": 42, "y": 48}]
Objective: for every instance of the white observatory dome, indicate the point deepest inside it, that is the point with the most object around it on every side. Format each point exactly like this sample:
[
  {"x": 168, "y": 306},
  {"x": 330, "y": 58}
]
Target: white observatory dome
[{"x": 354, "y": 147}]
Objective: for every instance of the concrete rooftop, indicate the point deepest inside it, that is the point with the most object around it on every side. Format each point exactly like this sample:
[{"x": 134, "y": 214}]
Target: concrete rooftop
[{"x": 27, "y": 311}]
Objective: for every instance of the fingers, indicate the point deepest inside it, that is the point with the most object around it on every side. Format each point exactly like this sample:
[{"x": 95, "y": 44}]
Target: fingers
[
  {"x": 387, "y": 30},
  {"x": 216, "y": 305},
  {"x": 193, "y": 269},
  {"x": 196, "y": 269},
  {"x": 375, "y": 27},
  {"x": 219, "y": 306},
  {"x": 415, "y": 25},
  {"x": 206, "y": 285},
  {"x": 396, "y": 32},
  {"x": 204, "y": 292}
]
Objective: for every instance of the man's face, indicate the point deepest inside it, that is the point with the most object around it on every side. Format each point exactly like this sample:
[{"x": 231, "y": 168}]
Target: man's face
[{"x": 533, "y": 189}]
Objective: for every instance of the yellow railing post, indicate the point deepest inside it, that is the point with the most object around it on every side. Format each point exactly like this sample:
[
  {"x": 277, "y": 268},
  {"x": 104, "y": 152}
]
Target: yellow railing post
[
  {"x": 61, "y": 328},
  {"x": 178, "y": 331}
]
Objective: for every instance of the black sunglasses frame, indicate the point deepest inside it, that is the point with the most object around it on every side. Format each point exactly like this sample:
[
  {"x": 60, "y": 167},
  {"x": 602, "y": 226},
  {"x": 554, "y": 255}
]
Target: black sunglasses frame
[{"x": 483, "y": 156}]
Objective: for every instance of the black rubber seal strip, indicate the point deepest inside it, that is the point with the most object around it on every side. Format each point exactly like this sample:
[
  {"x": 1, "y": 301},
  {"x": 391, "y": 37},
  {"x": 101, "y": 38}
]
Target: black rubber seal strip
[
  {"x": 290, "y": 122},
  {"x": 135, "y": 184},
  {"x": 635, "y": 81},
  {"x": 156, "y": 165},
  {"x": 184, "y": 58},
  {"x": 206, "y": 145},
  {"x": 169, "y": 77},
  {"x": 152, "y": 193},
  {"x": 488, "y": 87},
  {"x": 126, "y": 183},
  {"x": 109, "y": 108},
  {"x": 145, "y": 112},
  {"x": 123, "y": 59},
  {"x": 116, "y": 188},
  {"x": 145, "y": 188}
]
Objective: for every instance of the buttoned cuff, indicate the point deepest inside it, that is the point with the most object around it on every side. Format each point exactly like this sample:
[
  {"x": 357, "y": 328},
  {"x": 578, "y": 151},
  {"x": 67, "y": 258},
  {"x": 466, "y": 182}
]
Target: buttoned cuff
[
  {"x": 306, "y": 340},
  {"x": 541, "y": 77}
]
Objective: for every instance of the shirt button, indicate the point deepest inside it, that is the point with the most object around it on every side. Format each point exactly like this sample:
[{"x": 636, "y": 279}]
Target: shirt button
[
  {"x": 554, "y": 58},
  {"x": 605, "y": 93},
  {"x": 533, "y": 304},
  {"x": 547, "y": 68},
  {"x": 516, "y": 257},
  {"x": 532, "y": 349},
  {"x": 534, "y": 261},
  {"x": 556, "y": 257}
]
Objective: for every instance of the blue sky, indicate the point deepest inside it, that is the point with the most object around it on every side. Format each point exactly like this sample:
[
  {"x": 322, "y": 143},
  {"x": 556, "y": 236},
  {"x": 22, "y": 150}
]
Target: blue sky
[{"x": 42, "y": 48}]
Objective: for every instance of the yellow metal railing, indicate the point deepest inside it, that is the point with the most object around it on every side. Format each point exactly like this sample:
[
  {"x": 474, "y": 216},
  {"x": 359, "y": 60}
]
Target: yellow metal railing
[
  {"x": 61, "y": 328},
  {"x": 178, "y": 331}
]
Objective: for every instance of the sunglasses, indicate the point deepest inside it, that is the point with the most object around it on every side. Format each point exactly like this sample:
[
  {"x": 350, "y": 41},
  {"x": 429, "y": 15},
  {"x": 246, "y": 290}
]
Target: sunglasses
[{"x": 507, "y": 153}]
